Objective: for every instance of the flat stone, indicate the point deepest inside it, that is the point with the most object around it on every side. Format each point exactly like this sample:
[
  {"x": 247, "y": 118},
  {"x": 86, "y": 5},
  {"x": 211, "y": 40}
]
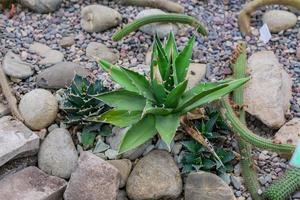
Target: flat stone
[
  {"x": 195, "y": 74},
  {"x": 49, "y": 56},
  {"x": 155, "y": 176},
  {"x": 93, "y": 179},
  {"x": 16, "y": 140},
  {"x": 98, "y": 18},
  {"x": 279, "y": 20},
  {"x": 124, "y": 166},
  {"x": 289, "y": 133},
  {"x": 268, "y": 93},
  {"x": 13, "y": 66},
  {"x": 57, "y": 155},
  {"x": 60, "y": 75},
  {"x": 206, "y": 186},
  {"x": 38, "y": 108},
  {"x": 42, "y": 6},
  {"x": 161, "y": 29},
  {"x": 32, "y": 184},
  {"x": 98, "y": 51}
]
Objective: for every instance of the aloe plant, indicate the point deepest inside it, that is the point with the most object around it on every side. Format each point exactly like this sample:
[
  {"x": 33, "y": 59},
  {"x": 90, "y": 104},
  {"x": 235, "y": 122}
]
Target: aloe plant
[{"x": 155, "y": 105}]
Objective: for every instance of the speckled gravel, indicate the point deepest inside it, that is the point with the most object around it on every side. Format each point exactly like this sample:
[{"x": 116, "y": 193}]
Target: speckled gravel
[{"x": 220, "y": 18}]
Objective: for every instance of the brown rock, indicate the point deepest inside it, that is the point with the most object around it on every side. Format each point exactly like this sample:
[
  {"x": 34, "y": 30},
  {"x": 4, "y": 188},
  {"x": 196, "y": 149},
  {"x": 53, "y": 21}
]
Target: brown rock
[
  {"x": 195, "y": 74},
  {"x": 93, "y": 179},
  {"x": 31, "y": 184},
  {"x": 155, "y": 176},
  {"x": 206, "y": 186},
  {"x": 124, "y": 166},
  {"x": 289, "y": 133},
  {"x": 268, "y": 93}
]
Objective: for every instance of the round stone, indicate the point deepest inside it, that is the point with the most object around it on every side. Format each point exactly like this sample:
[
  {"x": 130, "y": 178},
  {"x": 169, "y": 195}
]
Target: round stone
[{"x": 38, "y": 108}]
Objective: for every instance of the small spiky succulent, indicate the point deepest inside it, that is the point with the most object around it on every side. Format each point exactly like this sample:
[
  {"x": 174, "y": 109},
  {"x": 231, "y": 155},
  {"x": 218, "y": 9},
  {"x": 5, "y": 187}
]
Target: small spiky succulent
[
  {"x": 78, "y": 102},
  {"x": 155, "y": 105}
]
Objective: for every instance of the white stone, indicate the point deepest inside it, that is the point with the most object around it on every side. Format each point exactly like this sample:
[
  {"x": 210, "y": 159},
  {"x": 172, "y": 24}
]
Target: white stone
[
  {"x": 16, "y": 140},
  {"x": 13, "y": 66},
  {"x": 289, "y": 133},
  {"x": 98, "y": 18},
  {"x": 42, "y": 6},
  {"x": 162, "y": 29},
  {"x": 98, "y": 51},
  {"x": 279, "y": 20},
  {"x": 38, "y": 108},
  {"x": 57, "y": 155},
  {"x": 268, "y": 93},
  {"x": 195, "y": 74}
]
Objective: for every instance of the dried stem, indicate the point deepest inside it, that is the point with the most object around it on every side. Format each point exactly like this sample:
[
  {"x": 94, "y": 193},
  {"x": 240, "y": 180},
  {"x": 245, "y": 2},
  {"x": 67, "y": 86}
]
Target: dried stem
[
  {"x": 12, "y": 101},
  {"x": 245, "y": 15}
]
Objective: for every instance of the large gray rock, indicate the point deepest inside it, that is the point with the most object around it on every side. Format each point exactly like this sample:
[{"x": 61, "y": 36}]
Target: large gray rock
[
  {"x": 155, "y": 176},
  {"x": 195, "y": 74},
  {"x": 16, "y": 140},
  {"x": 42, "y": 6},
  {"x": 38, "y": 108},
  {"x": 49, "y": 55},
  {"x": 124, "y": 166},
  {"x": 93, "y": 179},
  {"x": 57, "y": 155},
  {"x": 13, "y": 66},
  {"x": 60, "y": 75},
  {"x": 31, "y": 184},
  {"x": 98, "y": 18},
  {"x": 206, "y": 186},
  {"x": 279, "y": 20},
  {"x": 289, "y": 133},
  {"x": 98, "y": 51},
  {"x": 268, "y": 93},
  {"x": 162, "y": 29},
  {"x": 115, "y": 140}
]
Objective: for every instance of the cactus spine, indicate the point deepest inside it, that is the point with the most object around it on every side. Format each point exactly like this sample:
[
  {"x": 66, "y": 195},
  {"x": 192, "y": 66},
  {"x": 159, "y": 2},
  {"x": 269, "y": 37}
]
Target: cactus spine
[
  {"x": 248, "y": 172},
  {"x": 284, "y": 186},
  {"x": 168, "y": 18}
]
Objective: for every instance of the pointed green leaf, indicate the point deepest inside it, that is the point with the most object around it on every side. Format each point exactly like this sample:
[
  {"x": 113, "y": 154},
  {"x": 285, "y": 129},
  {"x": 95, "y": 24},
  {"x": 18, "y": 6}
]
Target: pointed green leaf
[
  {"x": 138, "y": 134},
  {"x": 121, "y": 118},
  {"x": 158, "y": 91},
  {"x": 118, "y": 75},
  {"x": 217, "y": 94},
  {"x": 167, "y": 126},
  {"x": 175, "y": 95},
  {"x": 151, "y": 109},
  {"x": 183, "y": 60},
  {"x": 162, "y": 60},
  {"x": 123, "y": 100},
  {"x": 171, "y": 47}
]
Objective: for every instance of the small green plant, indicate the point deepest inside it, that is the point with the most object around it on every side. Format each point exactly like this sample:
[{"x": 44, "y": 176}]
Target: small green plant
[
  {"x": 78, "y": 101},
  {"x": 156, "y": 105},
  {"x": 197, "y": 157},
  {"x": 79, "y": 105}
]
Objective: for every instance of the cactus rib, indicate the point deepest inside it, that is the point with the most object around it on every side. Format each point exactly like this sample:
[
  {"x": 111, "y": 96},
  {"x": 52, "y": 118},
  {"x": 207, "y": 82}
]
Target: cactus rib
[
  {"x": 248, "y": 172},
  {"x": 284, "y": 186},
  {"x": 242, "y": 131},
  {"x": 167, "y": 18}
]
